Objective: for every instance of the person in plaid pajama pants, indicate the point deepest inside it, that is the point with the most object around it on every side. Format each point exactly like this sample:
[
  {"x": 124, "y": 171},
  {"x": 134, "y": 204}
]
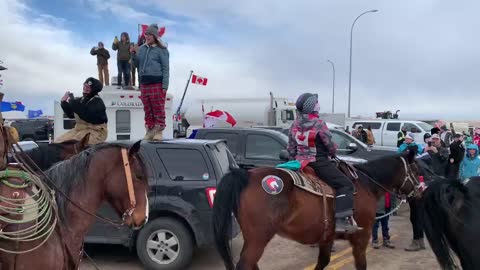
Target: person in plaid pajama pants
[{"x": 152, "y": 61}]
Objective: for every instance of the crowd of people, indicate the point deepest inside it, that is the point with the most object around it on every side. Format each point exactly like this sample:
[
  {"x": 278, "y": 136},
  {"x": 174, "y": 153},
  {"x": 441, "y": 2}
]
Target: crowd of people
[
  {"x": 89, "y": 111},
  {"x": 446, "y": 153}
]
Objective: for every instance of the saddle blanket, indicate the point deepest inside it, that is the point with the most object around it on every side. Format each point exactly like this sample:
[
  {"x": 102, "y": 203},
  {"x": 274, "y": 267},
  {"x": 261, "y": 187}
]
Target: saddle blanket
[{"x": 310, "y": 183}]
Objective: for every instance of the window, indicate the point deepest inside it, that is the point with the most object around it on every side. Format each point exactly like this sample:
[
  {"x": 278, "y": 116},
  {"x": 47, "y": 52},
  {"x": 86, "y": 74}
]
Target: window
[
  {"x": 122, "y": 118},
  {"x": 426, "y": 127},
  {"x": 412, "y": 128},
  {"x": 68, "y": 123},
  {"x": 223, "y": 156},
  {"x": 393, "y": 126},
  {"x": 231, "y": 138},
  {"x": 374, "y": 125},
  {"x": 184, "y": 164},
  {"x": 263, "y": 147},
  {"x": 340, "y": 140},
  {"x": 290, "y": 115}
]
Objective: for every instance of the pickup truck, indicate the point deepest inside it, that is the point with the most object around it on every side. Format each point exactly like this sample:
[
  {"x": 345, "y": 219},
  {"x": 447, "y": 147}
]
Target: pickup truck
[
  {"x": 183, "y": 175},
  {"x": 259, "y": 147}
]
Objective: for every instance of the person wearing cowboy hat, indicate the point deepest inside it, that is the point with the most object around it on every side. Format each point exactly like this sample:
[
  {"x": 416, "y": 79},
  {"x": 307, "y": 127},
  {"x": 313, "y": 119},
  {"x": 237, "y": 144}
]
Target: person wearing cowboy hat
[
  {"x": 89, "y": 113},
  {"x": 152, "y": 61}
]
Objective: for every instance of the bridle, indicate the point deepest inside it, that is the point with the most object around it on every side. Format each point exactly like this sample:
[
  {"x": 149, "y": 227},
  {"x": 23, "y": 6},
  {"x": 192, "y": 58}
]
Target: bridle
[
  {"x": 128, "y": 173},
  {"x": 130, "y": 188}
]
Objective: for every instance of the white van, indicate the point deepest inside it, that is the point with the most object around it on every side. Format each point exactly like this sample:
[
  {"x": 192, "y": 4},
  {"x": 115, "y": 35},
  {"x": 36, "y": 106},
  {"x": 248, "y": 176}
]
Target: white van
[
  {"x": 125, "y": 115},
  {"x": 386, "y": 130}
]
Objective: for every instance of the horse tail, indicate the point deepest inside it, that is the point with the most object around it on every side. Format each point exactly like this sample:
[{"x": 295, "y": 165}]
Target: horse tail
[
  {"x": 438, "y": 212},
  {"x": 227, "y": 200}
]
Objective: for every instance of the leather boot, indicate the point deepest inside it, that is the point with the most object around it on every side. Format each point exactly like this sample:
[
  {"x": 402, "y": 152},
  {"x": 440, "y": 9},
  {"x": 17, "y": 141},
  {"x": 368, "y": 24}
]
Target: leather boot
[
  {"x": 421, "y": 243},
  {"x": 157, "y": 133},
  {"x": 149, "y": 134},
  {"x": 414, "y": 246}
]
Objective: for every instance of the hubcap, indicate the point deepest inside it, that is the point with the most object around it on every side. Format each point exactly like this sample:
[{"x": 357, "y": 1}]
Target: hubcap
[{"x": 163, "y": 247}]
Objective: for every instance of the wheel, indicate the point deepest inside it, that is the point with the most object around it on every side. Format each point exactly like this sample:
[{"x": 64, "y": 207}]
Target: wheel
[{"x": 165, "y": 244}]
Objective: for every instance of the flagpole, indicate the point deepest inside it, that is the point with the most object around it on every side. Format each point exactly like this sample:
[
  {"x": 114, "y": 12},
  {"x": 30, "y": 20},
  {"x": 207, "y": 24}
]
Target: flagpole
[{"x": 184, "y": 92}]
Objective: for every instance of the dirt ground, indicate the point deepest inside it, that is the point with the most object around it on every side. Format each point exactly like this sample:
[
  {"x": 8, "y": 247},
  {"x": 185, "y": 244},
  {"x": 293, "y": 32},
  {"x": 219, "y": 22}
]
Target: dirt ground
[{"x": 285, "y": 254}]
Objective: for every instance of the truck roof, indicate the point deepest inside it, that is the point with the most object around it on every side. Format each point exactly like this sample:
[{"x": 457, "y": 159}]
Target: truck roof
[{"x": 173, "y": 142}]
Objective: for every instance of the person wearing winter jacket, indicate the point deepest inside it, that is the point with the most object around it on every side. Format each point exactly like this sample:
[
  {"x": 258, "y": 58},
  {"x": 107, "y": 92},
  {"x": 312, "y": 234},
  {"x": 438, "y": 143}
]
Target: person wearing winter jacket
[
  {"x": 408, "y": 143},
  {"x": 123, "y": 58},
  {"x": 370, "y": 136},
  {"x": 438, "y": 154},
  {"x": 476, "y": 137},
  {"x": 152, "y": 61},
  {"x": 102, "y": 63},
  {"x": 384, "y": 206},
  {"x": 470, "y": 165},
  {"x": 457, "y": 153}
]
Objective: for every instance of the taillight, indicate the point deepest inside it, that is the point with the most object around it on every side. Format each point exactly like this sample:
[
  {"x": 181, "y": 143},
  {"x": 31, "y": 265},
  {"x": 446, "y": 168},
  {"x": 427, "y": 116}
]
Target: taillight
[
  {"x": 420, "y": 178},
  {"x": 210, "y": 195}
]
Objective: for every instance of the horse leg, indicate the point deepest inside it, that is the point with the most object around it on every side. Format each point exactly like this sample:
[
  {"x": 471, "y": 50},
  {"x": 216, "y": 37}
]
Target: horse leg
[
  {"x": 324, "y": 256},
  {"x": 252, "y": 252},
  {"x": 359, "y": 244}
]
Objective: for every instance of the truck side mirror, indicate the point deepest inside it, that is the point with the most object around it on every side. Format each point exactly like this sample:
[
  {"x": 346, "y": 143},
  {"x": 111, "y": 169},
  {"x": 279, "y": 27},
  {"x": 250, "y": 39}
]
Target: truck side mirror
[
  {"x": 284, "y": 116},
  {"x": 284, "y": 155}
]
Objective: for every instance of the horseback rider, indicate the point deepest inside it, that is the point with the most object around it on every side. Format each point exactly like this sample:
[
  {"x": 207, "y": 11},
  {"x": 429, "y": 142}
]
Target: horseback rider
[
  {"x": 310, "y": 142},
  {"x": 89, "y": 113}
]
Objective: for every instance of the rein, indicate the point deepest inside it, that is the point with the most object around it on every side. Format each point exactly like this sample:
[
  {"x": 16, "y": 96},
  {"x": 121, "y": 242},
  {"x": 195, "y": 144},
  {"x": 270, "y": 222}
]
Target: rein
[
  {"x": 409, "y": 177},
  {"x": 126, "y": 214}
]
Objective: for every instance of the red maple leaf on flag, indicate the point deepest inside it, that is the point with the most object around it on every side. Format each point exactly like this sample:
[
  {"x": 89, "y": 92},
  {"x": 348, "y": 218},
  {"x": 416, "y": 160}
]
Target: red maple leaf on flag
[{"x": 199, "y": 80}]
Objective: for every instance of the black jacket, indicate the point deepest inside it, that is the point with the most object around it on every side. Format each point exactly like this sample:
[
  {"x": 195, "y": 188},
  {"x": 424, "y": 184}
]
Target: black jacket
[
  {"x": 439, "y": 160},
  {"x": 457, "y": 152},
  {"x": 91, "y": 110}
]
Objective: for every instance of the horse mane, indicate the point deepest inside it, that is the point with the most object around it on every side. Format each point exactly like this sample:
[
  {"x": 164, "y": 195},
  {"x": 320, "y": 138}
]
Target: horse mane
[
  {"x": 380, "y": 169},
  {"x": 72, "y": 173}
]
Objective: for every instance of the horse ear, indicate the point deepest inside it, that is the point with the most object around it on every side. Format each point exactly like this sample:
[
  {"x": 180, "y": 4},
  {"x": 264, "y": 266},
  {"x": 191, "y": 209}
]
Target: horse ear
[
  {"x": 134, "y": 149},
  {"x": 83, "y": 143},
  {"x": 411, "y": 154}
]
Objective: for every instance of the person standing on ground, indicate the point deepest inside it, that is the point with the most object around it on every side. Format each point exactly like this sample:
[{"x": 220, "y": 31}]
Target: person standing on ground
[
  {"x": 102, "y": 63},
  {"x": 457, "y": 153},
  {"x": 370, "y": 137},
  {"x": 152, "y": 60},
  {"x": 123, "y": 57},
  {"x": 401, "y": 136},
  {"x": 384, "y": 206},
  {"x": 470, "y": 165},
  {"x": 439, "y": 155}
]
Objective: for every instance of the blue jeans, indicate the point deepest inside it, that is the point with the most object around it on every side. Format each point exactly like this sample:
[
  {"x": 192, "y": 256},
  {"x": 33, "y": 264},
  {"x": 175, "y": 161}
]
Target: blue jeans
[
  {"x": 123, "y": 69},
  {"x": 384, "y": 223}
]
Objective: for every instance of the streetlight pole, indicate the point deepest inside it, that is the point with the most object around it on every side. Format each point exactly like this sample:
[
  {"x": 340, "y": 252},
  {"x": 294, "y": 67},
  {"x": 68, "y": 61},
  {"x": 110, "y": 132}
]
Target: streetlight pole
[
  {"x": 350, "y": 72},
  {"x": 333, "y": 87}
]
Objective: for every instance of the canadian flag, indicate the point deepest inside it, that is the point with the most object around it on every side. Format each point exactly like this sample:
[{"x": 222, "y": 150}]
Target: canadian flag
[
  {"x": 218, "y": 119},
  {"x": 199, "y": 80},
  {"x": 144, "y": 27}
]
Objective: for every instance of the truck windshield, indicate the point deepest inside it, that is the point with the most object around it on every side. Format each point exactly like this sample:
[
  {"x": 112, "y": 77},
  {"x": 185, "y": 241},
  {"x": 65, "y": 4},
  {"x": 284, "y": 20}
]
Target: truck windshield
[{"x": 426, "y": 127}]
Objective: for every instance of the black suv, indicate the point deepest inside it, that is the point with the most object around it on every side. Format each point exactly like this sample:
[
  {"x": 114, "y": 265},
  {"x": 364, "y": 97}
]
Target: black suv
[
  {"x": 257, "y": 147},
  {"x": 183, "y": 175},
  {"x": 34, "y": 129}
]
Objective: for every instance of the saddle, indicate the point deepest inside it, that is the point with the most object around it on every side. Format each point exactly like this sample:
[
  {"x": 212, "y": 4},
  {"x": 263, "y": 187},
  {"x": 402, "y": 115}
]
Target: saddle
[{"x": 307, "y": 179}]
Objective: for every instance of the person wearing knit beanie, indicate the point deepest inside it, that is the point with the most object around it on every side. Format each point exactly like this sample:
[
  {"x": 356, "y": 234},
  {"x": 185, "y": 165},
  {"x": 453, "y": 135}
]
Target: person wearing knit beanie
[
  {"x": 89, "y": 113},
  {"x": 152, "y": 60}
]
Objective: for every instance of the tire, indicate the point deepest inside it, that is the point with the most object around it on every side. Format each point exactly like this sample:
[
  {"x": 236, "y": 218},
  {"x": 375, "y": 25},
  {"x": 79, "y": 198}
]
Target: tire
[{"x": 177, "y": 236}]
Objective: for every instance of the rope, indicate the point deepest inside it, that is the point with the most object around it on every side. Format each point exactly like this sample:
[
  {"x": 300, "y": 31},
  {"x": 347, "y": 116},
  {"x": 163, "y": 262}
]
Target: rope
[{"x": 392, "y": 211}]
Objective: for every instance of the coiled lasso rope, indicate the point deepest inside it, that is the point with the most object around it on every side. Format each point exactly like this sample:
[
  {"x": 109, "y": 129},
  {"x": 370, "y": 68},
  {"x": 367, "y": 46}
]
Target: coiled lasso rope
[{"x": 38, "y": 213}]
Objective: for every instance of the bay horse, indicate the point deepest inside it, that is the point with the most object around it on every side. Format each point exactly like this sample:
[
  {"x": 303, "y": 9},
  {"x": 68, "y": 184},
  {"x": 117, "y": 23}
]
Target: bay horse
[
  {"x": 81, "y": 184},
  {"x": 452, "y": 222},
  {"x": 47, "y": 154},
  {"x": 299, "y": 215}
]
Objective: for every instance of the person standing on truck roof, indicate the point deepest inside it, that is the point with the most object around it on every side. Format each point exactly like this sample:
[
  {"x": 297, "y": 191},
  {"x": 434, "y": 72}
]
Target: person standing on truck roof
[
  {"x": 102, "y": 63},
  {"x": 152, "y": 61},
  {"x": 132, "y": 66},
  {"x": 401, "y": 136},
  {"x": 123, "y": 57},
  {"x": 89, "y": 112},
  {"x": 310, "y": 142}
]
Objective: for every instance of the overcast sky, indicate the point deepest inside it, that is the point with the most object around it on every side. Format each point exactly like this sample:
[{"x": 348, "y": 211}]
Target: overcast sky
[{"x": 420, "y": 57}]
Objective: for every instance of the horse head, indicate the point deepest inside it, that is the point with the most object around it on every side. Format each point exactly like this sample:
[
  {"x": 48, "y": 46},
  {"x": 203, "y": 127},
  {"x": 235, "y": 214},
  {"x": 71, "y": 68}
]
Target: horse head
[
  {"x": 128, "y": 195},
  {"x": 407, "y": 183}
]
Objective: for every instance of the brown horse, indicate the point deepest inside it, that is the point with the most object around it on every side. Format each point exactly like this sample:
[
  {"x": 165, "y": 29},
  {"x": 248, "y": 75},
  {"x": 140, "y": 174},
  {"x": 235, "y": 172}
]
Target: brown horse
[
  {"x": 93, "y": 176},
  {"x": 45, "y": 155},
  {"x": 299, "y": 215}
]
